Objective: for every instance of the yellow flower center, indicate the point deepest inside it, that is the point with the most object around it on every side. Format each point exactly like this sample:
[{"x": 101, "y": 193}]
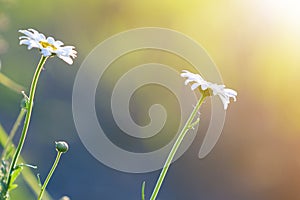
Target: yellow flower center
[{"x": 46, "y": 44}]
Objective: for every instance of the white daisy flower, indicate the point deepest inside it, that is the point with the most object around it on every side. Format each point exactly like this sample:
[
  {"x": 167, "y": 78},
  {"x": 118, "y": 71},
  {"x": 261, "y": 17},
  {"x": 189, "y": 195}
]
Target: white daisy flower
[
  {"x": 48, "y": 46},
  {"x": 215, "y": 89}
]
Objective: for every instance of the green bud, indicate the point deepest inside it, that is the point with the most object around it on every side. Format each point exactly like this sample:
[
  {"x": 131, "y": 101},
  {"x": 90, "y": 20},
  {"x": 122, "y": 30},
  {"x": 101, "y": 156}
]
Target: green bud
[
  {"x": 61, "y": 146},
  {"x": 24, "y": 103}
]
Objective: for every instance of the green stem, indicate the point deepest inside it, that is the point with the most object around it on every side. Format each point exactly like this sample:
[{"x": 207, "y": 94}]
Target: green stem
[
  {"x": 49, "y": 175},
  {"x": 171, "y": 155},
  {"x": 8, "y": 146},
  {"x": 27, "y": 118},
  {"x": 143, "y": 190}
]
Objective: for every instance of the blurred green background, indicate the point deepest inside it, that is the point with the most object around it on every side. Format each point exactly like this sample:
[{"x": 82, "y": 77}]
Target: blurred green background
[{"x": 254, "y": 43}]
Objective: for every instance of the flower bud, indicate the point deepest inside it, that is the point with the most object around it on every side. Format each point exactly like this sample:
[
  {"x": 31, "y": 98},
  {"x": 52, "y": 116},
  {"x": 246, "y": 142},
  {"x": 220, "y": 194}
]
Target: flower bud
[
  {"x": 24, "y": 103},
  {"x": 61, "y": 146}
]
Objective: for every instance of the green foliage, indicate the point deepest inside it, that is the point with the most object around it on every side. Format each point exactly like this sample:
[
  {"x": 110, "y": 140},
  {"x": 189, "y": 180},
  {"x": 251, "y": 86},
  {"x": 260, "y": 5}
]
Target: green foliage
[
  {"x": 27, "y": 174},
  {"x": 4, "y": 168},
  {"x": 16, "y": 172}
]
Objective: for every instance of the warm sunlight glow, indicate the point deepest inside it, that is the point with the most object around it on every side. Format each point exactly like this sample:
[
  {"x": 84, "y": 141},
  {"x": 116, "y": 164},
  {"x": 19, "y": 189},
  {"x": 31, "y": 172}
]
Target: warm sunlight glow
[{"x": 282, "y": 11}]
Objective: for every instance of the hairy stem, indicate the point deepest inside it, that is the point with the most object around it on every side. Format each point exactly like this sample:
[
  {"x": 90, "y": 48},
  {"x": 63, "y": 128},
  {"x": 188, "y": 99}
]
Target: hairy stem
[
  {"x": 49, "y": 175},
  {"x": 177, "y": 143},
  {"x": 27, "y": 118}
]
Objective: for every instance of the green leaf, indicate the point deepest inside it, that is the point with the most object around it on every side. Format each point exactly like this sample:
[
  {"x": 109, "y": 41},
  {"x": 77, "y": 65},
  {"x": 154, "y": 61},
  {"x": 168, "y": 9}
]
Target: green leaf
[
  {"x": 12, "y": 186},
  {"x": 17, "y": 171}
]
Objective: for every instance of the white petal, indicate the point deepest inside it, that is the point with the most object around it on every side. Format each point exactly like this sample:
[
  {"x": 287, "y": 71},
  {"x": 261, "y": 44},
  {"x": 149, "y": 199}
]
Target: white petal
[
  {"x": 26, "y": 42},
  {"x": 204, "y": 86},
  {"x": 41, "y": 37},
  {"x": 46, "y": 52},
  {"x": 183, "y": 75},
  {"x": 187, "y": 81},
  {"x": 230, "y": 92},
  {"x": 24, "y": 37},
  {"x": 194, "y": 86},
  {"x": 59, "y": 43},
  {"x": 34, "y": 45},
  {"x": 51, "y": 40},
  {"x": 27, "y": 33},
  {"x": 66, "y": 59},
  {"x": 225, "y": 101}
]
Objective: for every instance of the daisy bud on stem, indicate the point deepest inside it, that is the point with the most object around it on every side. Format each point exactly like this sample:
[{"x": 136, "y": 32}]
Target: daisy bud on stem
[{"x": 61, "y": 147}]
